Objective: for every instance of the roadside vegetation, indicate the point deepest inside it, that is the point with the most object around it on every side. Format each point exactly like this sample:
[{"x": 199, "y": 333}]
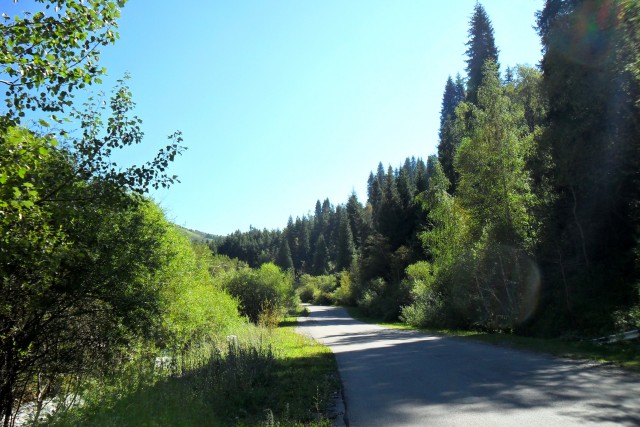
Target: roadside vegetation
[
  {"x": 625, "y": 354},
  {"x": 260, "y": 376}
]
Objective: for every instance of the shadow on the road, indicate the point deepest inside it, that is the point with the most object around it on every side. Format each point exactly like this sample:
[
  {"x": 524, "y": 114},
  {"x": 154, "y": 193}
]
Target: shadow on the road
[{"x": 401, "y": 369}]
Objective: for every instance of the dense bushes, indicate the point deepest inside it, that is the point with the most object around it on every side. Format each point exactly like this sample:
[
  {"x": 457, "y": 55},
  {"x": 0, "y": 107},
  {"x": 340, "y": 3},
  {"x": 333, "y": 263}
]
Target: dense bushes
[
  {"x": 194, "y": 306},
  {"x": 90, "y": 273},
  {"x": 266, "y": 291},
  {"x": 317, "y": 289},
  {"x": 326, "y": 290}
]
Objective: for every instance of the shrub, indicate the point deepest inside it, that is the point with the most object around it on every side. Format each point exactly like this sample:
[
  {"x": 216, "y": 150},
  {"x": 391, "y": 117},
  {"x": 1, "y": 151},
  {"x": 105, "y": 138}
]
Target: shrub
[
  {"x": 267, "y": 286},
  {"x": 317, "y": 289},
  {"x": 427, "y": 306},
  {"x": 344, "y": 294}
]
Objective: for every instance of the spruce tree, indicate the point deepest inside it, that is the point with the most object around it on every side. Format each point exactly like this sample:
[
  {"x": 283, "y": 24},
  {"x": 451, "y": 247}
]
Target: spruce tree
[
  {"x": 481, "y": 48},
  {"x": 283, "y": 259},
  {"x": 590, "y": 234},
  {"x": 422, "y": 178},
  {"x": 448, "y": 139},
  {"x": 346, "y": 246},
  {"x": 388, "y": 218},
  {"x": 303, "y": 233},
  {"x": 321, "y": 257}
]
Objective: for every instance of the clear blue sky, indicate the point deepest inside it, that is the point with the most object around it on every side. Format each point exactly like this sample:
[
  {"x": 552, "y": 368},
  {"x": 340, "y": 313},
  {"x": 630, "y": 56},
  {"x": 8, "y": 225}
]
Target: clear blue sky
[{"x": 282, "y": 103}]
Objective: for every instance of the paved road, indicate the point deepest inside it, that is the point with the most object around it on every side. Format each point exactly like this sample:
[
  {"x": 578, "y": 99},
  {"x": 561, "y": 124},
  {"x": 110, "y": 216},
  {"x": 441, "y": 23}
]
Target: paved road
[{"x": 404, "y": 378}]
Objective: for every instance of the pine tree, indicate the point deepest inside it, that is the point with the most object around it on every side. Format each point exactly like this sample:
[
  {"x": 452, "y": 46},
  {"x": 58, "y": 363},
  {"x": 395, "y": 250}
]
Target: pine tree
[
  {"x": 448, "y": 139},
  {"x": 405, "y": 185},
  {"x": 321, "y": 257},
  {"x": 346, "y": 247},
  {"x": 303, "y": 233},
  {"x": 388, "y": 218},
  {"x": 593, "y": 133},
  {"x": 360, "y": 227},
  {"x": 422, "y": 178},
  {"x": 283, "y": 259},
  {"x": 292, "y": 238},
  {"x": 481, "y": 48},
  {"x": 375, "y": 188}
]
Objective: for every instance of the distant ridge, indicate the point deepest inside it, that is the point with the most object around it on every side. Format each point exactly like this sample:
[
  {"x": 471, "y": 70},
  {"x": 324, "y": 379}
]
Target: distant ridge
[{"x": 198, "y": 236}]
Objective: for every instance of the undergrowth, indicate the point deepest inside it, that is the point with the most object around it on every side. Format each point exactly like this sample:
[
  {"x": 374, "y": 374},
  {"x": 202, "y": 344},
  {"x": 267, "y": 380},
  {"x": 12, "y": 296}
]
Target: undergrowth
[{"x": 260, "y": 376}]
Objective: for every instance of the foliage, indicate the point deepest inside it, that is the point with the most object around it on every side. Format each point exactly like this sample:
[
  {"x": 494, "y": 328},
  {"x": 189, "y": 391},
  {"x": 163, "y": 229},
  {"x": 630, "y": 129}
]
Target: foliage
[
  {"x": 590, "y": 230},
  {"x": 321, "y": 257},
  {"x": 49, "y": 54},
  {"x": 254, "y": 247},
  {"x": 346, "y": 251},
  {"x": 448, "y": 137},
  {"x": 427, "y": 305},
  {"x": 481, "y": 47},
  {"x": 265, "y": 288},
  {"x": 253, "y": 375},
  {"x": 344, "y": 294},
  {"x": 494, "y": 184},
  {"x": 194, "y": 307},
  {"x": 284, "y": 259},
  {"x": 317, "y": 289},
  {"x": 80, "y": 249}
]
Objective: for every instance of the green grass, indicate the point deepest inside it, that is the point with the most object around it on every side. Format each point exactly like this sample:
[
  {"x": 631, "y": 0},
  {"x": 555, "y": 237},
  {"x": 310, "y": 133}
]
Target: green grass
[
  {"x": 623, "y": 354},
  {"x": 272, "y": 377}
]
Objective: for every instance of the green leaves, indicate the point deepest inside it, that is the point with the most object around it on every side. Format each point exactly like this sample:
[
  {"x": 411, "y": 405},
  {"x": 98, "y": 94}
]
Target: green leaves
[
  {"x": 54, "y": 48},
  {"x": 21, "y": 156}
]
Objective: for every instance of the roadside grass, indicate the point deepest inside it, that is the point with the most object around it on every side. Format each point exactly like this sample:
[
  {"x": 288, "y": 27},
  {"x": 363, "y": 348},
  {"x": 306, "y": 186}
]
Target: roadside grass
[
  {"x": 264, "y": 377},
  {"x": 624, "y": 354}
]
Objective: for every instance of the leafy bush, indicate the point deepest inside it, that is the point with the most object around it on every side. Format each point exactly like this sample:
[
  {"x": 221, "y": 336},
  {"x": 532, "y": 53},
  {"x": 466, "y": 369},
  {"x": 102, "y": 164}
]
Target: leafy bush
[
  {"x": 317, "y": 289},
  {"x": 267, "y": 286},
  {"x": 344, "y": 294},
  {"x": 193, "y": 305},
  {"x": 428, "y": 304}
]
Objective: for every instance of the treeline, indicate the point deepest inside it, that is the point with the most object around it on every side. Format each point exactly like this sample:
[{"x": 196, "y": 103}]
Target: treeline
[
  {"x": 526, "y": 220},
  {"x": 332, "y": 238}
]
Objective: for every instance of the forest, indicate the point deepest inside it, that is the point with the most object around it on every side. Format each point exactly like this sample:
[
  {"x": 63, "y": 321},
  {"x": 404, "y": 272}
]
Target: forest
[{"x": 526, "y": 221}]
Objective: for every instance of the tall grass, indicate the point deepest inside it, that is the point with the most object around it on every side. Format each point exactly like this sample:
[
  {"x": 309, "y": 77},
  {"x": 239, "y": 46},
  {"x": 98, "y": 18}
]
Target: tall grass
[{"x": 260, "y": 376}]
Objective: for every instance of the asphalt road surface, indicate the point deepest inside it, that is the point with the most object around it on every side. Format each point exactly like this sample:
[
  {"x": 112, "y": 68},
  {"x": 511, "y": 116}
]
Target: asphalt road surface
[{"x": 405, "y": 378}]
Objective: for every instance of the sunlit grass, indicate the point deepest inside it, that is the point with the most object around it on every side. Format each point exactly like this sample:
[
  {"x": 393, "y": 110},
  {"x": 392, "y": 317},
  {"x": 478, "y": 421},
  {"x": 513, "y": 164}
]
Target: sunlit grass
[{"x": 273, "y": 377}]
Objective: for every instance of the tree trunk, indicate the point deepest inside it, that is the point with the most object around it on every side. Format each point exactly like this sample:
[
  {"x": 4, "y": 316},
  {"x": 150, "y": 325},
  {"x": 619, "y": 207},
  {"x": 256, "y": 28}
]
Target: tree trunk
[{"x": 8, "y": 381}]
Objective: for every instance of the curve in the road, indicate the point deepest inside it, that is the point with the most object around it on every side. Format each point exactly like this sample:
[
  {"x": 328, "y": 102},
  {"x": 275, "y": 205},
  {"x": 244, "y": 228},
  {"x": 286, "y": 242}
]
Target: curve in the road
[{"x": 405, "y": 378}]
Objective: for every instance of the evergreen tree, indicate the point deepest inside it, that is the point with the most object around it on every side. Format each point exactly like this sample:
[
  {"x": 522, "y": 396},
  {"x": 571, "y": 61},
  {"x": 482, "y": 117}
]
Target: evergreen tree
[
  {"x": 405, "y": 186},
  {"x": 318, "y": 224},
  {"x": 346, "y": 246},
  {"x": 283, "y": 259},
  {"x": 292, "y": 239},
  {"x": 592, "y": 137},
  {"x": 481, "y": 48},
  {"x": 388, "y": 216},
  {"x": 360, "y": 227},
  {"x": 303, "y": 252},
  {"x": 422, "y": 178},
  {"x": 375, "y": 188},
  {"x": 321, "y": 257},
  {"x": 448, "y": 138}
]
